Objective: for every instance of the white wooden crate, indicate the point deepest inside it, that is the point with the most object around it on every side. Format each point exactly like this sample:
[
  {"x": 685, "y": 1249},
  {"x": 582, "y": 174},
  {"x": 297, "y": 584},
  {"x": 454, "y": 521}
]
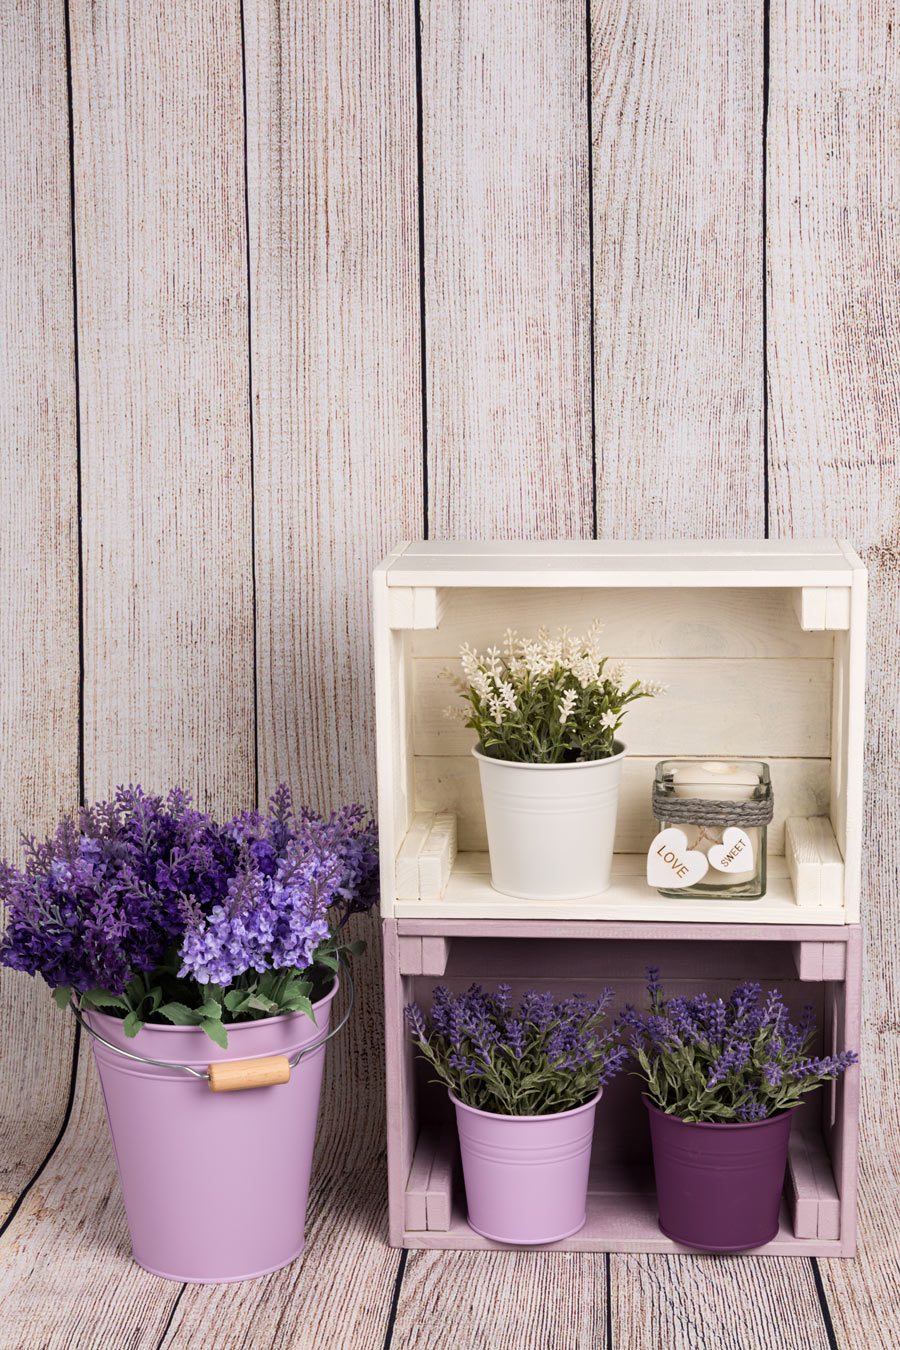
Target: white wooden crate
[{"x": 762, "y": 644}]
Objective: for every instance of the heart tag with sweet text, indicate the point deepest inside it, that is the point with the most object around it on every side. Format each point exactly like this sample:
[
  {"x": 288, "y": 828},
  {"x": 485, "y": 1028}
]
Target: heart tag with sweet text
[
  {"x": 734, "y": 854},
  {"x": 671, "y": 864}
]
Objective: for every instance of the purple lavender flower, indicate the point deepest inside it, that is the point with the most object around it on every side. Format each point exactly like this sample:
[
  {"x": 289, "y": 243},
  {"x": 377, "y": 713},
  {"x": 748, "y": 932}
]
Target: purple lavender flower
[
  {"x": 828, "y": 1066},
  {"x": 416, "y": 1021},
  {"x": 737, "y": 1060},
  {"x": 541, "y": 1057},
  {"x": 143, "y": 882},
  {"x": 101, "y": 900},
  {"x": 750, "y": 1111}
]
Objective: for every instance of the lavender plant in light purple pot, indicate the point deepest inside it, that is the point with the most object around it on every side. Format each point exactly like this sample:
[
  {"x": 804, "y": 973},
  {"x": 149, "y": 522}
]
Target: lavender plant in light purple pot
[
  {"x": 525, "y": 1082},
  {"x": 186, "y": 944},
  {"x": 723, "y": 1077}
]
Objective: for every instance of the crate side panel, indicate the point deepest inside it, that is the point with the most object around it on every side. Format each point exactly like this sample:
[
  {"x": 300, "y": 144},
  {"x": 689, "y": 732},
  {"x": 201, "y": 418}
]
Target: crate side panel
[
  {"x": 723, "y": 709},
  {"x": 645, "y": 623}
]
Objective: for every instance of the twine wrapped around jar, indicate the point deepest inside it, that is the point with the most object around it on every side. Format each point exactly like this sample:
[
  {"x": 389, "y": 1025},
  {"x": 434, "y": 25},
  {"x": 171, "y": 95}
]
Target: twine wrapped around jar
[{"x": 701, "y": 811}]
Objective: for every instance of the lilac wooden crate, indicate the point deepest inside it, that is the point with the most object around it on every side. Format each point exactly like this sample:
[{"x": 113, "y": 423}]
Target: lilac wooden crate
[{"x": 818, "y": 965}]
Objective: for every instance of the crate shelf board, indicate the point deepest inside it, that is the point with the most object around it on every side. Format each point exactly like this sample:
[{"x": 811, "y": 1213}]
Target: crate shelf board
[
  {"x": 603, "y": 564},
  {"x": 620, "y": 1224},
  {"x": 469, "y": 895},
  {"x": 621, "y": 1205},
  {"x": 628, "y": 548},
  {"x": 626, "y": 929}
]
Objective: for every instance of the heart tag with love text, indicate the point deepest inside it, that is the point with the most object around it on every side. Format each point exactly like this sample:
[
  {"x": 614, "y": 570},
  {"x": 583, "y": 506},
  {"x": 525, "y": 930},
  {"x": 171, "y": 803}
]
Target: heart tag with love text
[
  {"x": 734, "y": 854},
  {"x": 671, "y": 864}
]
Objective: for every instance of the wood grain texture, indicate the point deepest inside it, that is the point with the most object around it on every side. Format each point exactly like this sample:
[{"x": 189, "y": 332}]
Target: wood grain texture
[
  {"x": 337, "y": 402},
  {"x": 677, "y": 138},
  {"x": 637, "y": 623},
  {"x": 507, "y": 281},
  {"x": 834, "y": 362},
  {"x": 483, "y": 1300},
  {"x": 732, "y": 708},
  {"x": 39, "y": 552},
  {"x": 450, "y": 783},
  {"x": 67, "y": 1253},
  {"x": 337, "y": 415},
  {"x": 168, "y": 621},
  {"x": 737, "y": 1303},
  {"x": 677, "y": 176}
]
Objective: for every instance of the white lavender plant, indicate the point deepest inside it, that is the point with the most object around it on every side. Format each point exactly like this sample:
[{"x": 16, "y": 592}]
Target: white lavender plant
[{"x": 545, "y": 700}]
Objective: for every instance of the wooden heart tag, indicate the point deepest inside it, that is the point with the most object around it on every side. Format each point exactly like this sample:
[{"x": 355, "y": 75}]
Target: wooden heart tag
[
  {"x": 734, "y": 854},
  {"x": 671, "y": 864}
]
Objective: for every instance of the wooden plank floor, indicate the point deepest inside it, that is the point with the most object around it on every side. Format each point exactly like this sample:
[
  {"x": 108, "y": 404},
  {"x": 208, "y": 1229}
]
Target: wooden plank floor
[{"x": 67, "y": 1279}]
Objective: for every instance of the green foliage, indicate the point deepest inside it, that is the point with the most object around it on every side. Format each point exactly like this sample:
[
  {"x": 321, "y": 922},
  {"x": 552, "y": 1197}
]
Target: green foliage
[{"x": 162, "y": 997}]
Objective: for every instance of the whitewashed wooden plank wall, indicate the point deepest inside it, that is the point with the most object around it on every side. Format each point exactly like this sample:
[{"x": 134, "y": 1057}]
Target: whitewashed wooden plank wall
[
  {"x": 506, "y": 270},
  {"x": 284, "y": 283},
  {"x": 678, "y": 268}
]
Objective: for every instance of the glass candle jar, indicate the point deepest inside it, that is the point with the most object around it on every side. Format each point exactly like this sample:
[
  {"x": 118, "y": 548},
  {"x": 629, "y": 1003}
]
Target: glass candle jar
[{"x": 712, "y": 817}]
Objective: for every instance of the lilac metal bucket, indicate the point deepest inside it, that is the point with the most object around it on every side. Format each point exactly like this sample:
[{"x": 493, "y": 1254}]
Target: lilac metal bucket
[
  {"x": 719, "y": 1186},
  {"x": 526, "y": 1176},
  {"x": 215, "y": 1183}
]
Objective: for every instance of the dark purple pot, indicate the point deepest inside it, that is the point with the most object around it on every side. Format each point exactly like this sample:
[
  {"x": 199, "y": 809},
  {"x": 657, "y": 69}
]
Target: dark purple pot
[{"x": 718, "y": 1187}]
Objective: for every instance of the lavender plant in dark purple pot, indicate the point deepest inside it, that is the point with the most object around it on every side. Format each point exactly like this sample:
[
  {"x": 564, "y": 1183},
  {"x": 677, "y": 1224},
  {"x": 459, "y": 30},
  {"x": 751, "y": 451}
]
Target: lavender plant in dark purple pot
[
  {"x": 723, "y": 1080},
  {"x": 525, "y": 1082},
  {"x": 185, "y": 945}
]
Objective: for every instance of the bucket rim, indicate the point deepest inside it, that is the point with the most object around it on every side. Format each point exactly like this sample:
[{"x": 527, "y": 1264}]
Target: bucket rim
[
  {"x": 189, "y": 1063},
  {"x": 730, "y": 1125},
  {"x": 579, "y": 764},
  {"x": 232, "y": 1027},
  {"x": 497, "y": 1115}
]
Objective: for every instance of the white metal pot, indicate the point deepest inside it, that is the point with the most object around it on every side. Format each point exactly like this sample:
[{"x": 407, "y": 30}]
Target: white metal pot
[{"x": 550, "y": 827}]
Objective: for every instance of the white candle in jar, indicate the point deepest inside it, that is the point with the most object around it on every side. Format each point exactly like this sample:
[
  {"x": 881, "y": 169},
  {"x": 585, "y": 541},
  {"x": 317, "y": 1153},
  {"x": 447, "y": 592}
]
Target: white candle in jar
[{"x": 715, "y": 780}]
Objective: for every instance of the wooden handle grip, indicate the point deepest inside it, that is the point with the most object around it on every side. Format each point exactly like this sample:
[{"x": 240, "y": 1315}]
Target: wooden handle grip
[{"x": 249, "y": 1073}]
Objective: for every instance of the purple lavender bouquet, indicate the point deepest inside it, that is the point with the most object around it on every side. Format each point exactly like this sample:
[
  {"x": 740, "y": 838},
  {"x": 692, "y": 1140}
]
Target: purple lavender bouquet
[
  {"x": 534, "y": 1060},
  {"x": 724, "y": 1062},
  {"x": 153, "y": 912}
]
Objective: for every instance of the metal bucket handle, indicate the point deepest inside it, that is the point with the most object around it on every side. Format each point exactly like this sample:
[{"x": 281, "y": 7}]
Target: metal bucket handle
[{"x": 236, "y": 1074}]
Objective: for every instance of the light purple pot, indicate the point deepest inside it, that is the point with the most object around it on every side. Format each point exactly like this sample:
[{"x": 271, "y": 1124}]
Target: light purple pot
[
  {"x": 215, "y": 1183},
  {"x": 719, "y": 1186},
  {"x": 526, "y": 1176}
]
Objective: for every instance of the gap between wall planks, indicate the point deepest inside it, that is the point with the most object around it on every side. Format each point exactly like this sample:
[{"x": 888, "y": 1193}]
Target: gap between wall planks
[
  {"x": 834, "y": 424},
  {"x": 39, "y": 549}
]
